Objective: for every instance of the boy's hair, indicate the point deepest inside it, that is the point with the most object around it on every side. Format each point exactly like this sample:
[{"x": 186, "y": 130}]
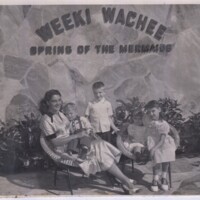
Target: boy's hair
[
  {"x": 152, "y": 104},
  {"x": 70, "y": 105},
  {"x": 97, "y": 85}
]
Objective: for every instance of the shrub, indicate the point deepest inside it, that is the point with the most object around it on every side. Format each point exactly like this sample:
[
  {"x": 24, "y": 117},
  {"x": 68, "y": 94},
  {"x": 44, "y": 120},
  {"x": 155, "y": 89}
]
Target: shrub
[
  {"x": 127, "y": 111},
  {"x": 19, "y": 144},
  {"x": 190, "y": 133},
  {"x": 171, "y": 112},
  {"x": 189, "y": 130}
]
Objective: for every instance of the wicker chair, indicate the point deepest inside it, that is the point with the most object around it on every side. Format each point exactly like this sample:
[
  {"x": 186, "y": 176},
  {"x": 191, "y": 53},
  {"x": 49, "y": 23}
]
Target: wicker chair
[
  {"x": 173, "y": 132},
  {"x": 62, "y": 162}
]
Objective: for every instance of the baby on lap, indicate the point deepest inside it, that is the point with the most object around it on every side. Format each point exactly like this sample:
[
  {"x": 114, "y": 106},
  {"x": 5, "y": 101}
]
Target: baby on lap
[{"x": 78, "y": 124}]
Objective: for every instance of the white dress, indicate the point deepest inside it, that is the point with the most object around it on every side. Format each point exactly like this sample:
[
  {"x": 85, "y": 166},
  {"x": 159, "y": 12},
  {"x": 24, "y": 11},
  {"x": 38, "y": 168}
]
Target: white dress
[
  {"x": 101, "y": 155},
  {"x": 166, "y": 152}
]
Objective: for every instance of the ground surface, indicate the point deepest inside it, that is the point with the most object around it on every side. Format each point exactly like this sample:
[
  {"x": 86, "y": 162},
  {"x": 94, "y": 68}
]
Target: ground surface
[{"x": 185, "y": 180}]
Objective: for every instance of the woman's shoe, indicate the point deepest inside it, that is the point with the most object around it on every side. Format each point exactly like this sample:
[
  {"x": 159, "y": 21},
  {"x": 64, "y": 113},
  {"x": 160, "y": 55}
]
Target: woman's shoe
[
  {"x": 164, "y": 184},
  {"x": 134, "y": 182},
  {"x": 130, "y": 191},
  {"x": 154, "y": 186}
]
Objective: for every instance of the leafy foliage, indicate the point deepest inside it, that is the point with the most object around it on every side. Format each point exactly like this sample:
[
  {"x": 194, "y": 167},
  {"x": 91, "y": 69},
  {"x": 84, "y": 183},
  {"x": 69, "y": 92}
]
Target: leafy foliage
[
  {"x": 190, "y": 133},
  {"x": 171, "y": 112},
  {"x": 19, "y": 144},
  {"x": 127, "y": 111}
]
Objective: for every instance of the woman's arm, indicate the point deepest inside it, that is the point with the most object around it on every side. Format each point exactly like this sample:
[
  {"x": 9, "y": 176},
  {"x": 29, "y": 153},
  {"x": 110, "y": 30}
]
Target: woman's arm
[{"x": 62, "y": 140}]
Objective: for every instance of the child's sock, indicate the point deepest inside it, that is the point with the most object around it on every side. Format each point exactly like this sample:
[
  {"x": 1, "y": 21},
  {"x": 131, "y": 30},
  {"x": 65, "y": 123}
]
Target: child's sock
[
  {"x": 156, "y": 177},
  {"x": 164, "y": 175}
]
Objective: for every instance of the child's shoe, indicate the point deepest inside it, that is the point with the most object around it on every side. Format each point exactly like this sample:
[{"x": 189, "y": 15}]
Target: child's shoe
[
  {"x": 84, "y": 151},
  {"x": 70, "y": 152},
  {"x": 154, "y": 186},
  {"x": 164, "y": 184}
]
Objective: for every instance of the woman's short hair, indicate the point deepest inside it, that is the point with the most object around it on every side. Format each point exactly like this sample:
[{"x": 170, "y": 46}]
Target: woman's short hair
[{"x": 43, "y": 105}]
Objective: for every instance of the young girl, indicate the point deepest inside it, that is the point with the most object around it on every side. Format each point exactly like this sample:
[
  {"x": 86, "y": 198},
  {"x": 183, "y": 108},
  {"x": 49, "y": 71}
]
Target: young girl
[{"x": 160, "y": 144}]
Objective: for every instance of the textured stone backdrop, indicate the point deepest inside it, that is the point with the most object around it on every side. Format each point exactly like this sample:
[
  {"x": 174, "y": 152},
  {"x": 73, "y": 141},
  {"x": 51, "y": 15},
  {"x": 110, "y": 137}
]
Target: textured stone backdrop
[{"x": 24, "y": 79}]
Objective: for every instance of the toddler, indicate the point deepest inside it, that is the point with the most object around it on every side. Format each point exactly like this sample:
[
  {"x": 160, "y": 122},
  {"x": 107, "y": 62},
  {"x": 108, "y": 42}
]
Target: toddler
[
  {"x": 100, "y": 113},
  {"x": 78, "y": 124},
  {"x": 135, "y": 138},
  {"x": 160, "y": 144}
]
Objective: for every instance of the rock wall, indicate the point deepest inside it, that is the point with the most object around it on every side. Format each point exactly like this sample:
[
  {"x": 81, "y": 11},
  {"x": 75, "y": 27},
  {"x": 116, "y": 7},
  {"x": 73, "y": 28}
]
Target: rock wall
[{"x": 24, "y": 78}]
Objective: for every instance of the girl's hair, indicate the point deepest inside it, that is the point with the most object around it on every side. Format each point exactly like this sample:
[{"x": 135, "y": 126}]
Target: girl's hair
[
  {"x": 43, "y": 105},
  {"x": 154, "y": 104}
]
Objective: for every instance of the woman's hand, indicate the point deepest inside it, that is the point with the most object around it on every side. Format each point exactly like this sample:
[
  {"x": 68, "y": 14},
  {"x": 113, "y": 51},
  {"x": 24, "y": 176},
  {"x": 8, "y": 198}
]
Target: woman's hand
[{"x": 82, "y": 134}]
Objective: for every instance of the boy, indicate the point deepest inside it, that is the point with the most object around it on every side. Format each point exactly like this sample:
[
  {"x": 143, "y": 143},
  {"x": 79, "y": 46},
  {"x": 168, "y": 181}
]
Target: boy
[
  {"x": 78, "y": 124},
  {"x": 100, "y": 113}
]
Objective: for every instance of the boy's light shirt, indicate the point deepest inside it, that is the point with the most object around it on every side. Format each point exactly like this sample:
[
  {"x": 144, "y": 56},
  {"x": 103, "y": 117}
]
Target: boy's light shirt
[{"x": 100, "y": 113}]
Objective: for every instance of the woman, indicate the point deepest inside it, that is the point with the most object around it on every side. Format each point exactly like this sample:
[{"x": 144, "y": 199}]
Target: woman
[{"x": 54, "y": 126}]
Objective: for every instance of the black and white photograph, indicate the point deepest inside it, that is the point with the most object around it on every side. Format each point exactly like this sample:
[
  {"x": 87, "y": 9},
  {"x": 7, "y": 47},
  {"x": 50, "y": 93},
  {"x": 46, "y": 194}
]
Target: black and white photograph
[{"x": 99, "y": 100}]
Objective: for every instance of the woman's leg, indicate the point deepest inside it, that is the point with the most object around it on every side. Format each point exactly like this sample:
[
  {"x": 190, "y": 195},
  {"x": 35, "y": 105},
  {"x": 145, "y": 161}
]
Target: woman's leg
[{"x": 116, "y": 172}]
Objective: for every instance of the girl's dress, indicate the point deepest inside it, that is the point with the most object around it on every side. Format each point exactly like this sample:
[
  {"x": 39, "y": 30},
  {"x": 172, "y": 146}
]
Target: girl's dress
[
  {"x": 101, "y": 155},
  {"x": 166, "y": 152}
]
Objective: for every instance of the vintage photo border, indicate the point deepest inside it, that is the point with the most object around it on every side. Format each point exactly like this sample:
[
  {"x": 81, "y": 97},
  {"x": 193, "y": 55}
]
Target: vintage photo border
[{"x": 110, "y": 2}]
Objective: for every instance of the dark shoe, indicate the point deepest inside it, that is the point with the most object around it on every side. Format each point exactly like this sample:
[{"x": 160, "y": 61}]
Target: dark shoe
[
  {"x": 70, "y": 153},
  {"x": 83, "y": 154}
]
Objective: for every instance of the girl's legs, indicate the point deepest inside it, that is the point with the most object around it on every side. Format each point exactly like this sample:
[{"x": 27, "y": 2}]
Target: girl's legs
[
  {"x": 165, "y": 167},
  {"x": 156, "y": 173}
]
